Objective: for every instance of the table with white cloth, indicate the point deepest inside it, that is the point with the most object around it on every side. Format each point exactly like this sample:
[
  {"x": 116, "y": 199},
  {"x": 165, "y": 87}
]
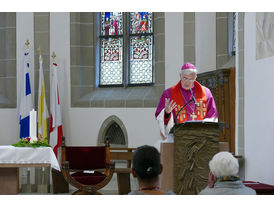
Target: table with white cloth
[{"x": 12, "y": 158}]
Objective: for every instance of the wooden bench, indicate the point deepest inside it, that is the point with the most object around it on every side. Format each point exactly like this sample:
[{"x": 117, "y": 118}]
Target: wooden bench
[{"x": 123, "y": 174}]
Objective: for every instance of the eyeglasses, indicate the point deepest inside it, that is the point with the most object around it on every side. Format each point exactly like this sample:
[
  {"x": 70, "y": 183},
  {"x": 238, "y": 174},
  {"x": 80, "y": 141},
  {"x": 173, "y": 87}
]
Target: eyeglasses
[{"x": 188, "y": 80}]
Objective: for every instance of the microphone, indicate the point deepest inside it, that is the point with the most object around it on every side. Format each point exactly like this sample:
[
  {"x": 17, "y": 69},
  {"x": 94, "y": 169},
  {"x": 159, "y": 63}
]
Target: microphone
[
  {"x": 194, "y": 99},
  {"x": 183, "y": 108}
]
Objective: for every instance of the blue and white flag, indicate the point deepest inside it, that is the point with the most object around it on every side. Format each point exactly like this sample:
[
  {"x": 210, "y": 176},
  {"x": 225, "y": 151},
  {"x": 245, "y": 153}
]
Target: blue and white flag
[{"x": 26, "y": 100}]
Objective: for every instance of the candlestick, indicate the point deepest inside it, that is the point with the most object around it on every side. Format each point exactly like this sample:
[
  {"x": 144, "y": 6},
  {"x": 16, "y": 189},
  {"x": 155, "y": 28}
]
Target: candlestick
[{"x": 33, "y": 123}]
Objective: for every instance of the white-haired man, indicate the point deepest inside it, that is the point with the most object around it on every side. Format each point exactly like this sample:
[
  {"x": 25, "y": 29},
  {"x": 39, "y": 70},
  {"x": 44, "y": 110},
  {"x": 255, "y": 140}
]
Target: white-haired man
[
  {"x": 174, "y": 98},
  {"x": 223, "y": 179}
]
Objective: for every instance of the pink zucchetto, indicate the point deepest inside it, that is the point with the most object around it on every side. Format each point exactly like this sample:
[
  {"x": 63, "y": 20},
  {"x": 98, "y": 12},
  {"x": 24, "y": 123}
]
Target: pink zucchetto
[{"x": 188, "y": 65}]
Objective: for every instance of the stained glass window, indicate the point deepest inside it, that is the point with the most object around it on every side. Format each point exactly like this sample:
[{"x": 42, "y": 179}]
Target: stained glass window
[
  {"x": 137, "y": 40},
  {"x": 111, "y": 61},
  {"x": 141, "y": 50},
  {"x": 111, "y": 23},
  {"x": 140, "y": 22},
  {"x": 140, "y": 59}
]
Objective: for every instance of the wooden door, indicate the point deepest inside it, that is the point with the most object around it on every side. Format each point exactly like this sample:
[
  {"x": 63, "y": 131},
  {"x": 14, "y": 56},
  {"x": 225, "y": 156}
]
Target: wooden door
[{"x": 221, "y": 83}]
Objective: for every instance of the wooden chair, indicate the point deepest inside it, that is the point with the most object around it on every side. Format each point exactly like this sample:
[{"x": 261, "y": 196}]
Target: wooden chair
[
  {"x": 87, "y": 168},
  {"x": 123, "y": 174}
]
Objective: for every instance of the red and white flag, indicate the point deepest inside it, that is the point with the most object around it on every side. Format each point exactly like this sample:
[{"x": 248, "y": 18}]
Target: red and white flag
[{"x": 56, "y": 130}]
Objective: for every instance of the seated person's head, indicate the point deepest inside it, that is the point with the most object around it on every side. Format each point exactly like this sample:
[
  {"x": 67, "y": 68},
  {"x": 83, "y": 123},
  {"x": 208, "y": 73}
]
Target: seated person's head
[
  {"x": 224, "y": 164},
  {"x": 146, "y": 163}
]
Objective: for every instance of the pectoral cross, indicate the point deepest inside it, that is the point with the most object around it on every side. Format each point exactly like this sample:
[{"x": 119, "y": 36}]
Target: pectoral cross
[{"x": 193, "y": 116}]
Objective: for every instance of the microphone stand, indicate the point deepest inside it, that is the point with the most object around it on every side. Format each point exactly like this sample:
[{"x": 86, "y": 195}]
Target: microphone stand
[
  {"x": 193, "y": 97},
  {"x": 191, "y": 100}
]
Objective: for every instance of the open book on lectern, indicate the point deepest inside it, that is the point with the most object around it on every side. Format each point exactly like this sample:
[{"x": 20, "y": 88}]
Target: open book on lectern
[{"x": 221, "y": 124}]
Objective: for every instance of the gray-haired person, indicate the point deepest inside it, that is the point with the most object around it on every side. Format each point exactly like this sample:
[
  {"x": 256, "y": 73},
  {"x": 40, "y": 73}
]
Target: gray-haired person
[{"x": 223, "y": 179}]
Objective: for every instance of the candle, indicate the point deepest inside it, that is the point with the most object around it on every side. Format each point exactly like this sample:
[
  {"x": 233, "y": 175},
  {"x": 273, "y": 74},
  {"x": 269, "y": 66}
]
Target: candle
[{"x": 32, "y": 123}]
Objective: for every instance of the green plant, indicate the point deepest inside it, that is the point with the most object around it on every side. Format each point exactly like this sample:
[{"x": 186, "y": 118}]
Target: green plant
[{"x": 32, "y": 142}]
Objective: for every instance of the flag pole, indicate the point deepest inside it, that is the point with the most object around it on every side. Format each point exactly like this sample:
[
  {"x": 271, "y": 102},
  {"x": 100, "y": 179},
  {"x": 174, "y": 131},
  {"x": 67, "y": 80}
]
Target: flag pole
[
  {"x": 40, "y": 53},
  {"x": 27, "y": 43},
  {"x": 56, "y": 131},
  {"x": 53, "y": 57}
]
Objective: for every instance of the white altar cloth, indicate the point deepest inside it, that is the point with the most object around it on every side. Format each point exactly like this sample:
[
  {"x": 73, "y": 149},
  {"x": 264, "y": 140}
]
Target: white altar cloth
[{"x": 28, "y": 155}]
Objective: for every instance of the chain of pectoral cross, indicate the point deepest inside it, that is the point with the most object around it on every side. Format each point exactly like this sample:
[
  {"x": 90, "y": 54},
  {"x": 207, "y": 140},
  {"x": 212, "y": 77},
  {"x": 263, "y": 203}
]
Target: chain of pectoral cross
[{"x": 193, "y": 114}]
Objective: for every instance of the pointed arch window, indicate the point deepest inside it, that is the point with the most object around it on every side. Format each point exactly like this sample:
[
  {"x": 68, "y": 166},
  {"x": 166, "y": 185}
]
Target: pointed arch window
[
  {"x": 115, "y": 135},
  {"x": 126, "y": 48}
]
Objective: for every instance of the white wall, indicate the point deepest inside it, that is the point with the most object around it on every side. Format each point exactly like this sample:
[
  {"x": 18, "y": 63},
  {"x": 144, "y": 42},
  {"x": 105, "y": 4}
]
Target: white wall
[
  {"x": 174, "y": 46},
  {"x": 259, "y": 110},
  {"x": 60, "y": 44},
  {"x": 9, "y": 126},
  {"x": 24, "y": 31},
  {"x": 9, "y": 118},
  {"x": 205, "y": 41},
  {"x": 81, "y": 125},
  {"x": 84, "y": 124}
]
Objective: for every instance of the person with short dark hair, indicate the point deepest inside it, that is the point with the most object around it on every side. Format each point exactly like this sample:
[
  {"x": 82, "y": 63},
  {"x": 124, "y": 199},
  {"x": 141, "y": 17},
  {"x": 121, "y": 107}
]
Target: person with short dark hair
[{"x": 146, "y": 167}]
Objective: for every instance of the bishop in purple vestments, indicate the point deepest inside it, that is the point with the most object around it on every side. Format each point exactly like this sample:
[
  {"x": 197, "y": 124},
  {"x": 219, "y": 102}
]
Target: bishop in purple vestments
[{"x": 202, "y": 106}]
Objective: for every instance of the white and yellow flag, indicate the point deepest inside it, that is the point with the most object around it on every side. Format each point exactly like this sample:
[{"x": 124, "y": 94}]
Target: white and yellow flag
[{"x": 42, "y": 105}]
